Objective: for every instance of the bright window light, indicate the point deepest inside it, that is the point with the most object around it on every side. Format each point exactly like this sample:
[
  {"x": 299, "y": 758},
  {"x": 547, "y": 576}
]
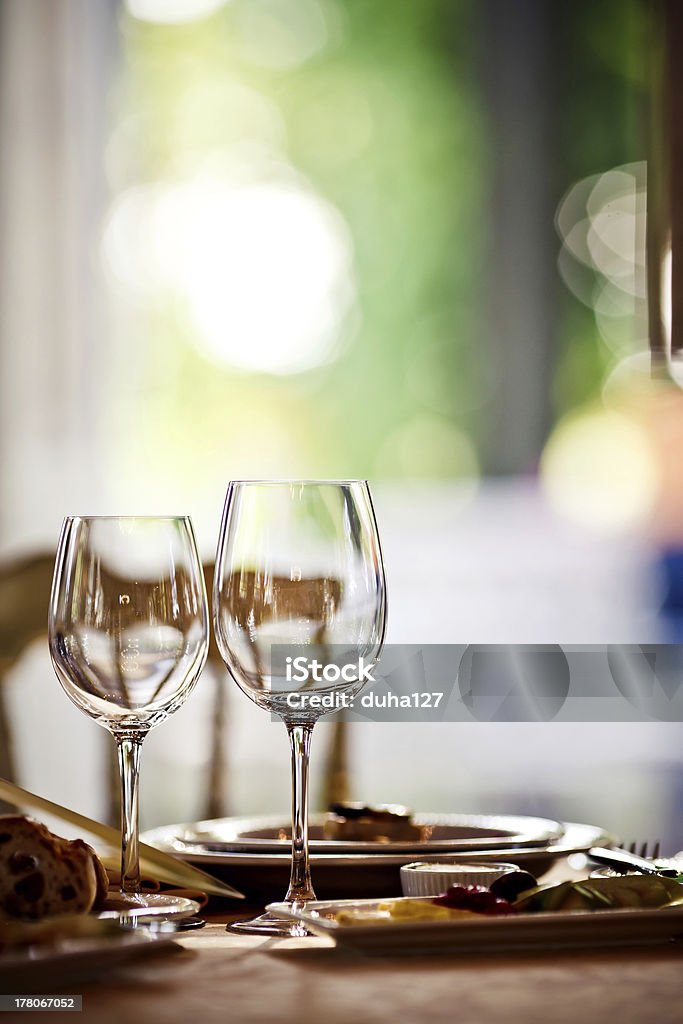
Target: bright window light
[
  {"x": 172, "y": 11},
  {"x": 265, "y": 269}
]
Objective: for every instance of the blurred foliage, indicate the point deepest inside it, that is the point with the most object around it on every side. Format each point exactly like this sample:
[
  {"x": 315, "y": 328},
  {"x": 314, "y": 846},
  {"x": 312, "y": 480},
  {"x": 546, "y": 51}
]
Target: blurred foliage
[
  {"x": 604, "y": 77},
  {"x": 386, "y": 125},
  {"x": 379, "y": 106}
]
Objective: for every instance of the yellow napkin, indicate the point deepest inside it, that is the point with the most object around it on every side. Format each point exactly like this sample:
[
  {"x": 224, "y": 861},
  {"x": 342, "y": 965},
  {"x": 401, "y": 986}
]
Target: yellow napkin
[{"x": 153, "y": 862}]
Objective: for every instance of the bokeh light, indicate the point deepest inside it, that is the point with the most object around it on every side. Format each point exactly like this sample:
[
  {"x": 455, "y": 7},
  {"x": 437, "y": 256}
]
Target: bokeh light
[
  {"x": 282, "y": 34},
  {"x": 601, "y": 221},
  {"x": 428, "y": 447},
  {"x": 172, "y": 12},
  {"x": 265, "y": 270},
  {"x": 599, "y": 471}
]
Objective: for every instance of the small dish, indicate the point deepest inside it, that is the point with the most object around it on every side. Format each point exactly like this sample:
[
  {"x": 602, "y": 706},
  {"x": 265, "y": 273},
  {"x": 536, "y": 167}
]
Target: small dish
[{"x": 434, "y": 877}]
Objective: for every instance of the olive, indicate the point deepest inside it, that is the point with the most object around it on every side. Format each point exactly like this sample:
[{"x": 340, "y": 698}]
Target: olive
[{"x": 512, "y": 884}]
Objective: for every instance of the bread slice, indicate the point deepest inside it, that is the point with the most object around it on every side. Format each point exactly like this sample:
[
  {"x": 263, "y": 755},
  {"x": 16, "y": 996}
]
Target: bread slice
[{"x": 42, "y": 874}]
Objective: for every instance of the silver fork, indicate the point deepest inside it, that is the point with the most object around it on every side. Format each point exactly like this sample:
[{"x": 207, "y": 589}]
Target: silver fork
[{"x": 641, "y": 851}]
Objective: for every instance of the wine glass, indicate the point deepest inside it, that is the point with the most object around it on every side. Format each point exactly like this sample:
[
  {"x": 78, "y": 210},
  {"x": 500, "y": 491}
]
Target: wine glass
[
  {"x": 298, "y": 574},
  {"x": 128, "y": 631}
]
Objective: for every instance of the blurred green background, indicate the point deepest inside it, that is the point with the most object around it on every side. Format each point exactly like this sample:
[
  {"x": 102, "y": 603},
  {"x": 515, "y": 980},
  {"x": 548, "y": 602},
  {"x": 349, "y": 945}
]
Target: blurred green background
[{"x": 310, "y": 242}]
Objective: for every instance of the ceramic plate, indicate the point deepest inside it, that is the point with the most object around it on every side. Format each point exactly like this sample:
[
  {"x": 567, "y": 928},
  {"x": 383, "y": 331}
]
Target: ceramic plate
[
  {"x": 444, "y": 833},
  {"x": 80, "y": 956},
  {"x": 264, "y": 876}
]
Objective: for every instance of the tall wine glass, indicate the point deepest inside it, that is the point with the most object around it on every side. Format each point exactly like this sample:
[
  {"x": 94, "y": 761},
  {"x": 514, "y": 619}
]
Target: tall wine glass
[
  {"x": 128, "y": 630},
  {"x": 298, "y": 573}
]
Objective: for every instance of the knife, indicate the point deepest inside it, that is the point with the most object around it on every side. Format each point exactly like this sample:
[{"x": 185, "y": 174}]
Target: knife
[{"x": 624, "y": 862}]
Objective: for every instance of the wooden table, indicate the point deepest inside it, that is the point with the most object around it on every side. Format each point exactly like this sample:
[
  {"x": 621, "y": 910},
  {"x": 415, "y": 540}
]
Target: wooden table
[{"x": 213, "y": 976}]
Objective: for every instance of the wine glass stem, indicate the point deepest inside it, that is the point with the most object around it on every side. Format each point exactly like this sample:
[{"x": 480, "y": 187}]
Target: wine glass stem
[
  {"x": 300, "y": 888},
  {"x": 129, "y": 747}
]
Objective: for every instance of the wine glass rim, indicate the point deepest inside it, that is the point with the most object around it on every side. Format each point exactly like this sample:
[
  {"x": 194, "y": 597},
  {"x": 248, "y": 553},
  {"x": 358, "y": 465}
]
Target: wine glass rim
[
  {"x": 286, "y": 481},
  {"x": 165, "y": 519}
]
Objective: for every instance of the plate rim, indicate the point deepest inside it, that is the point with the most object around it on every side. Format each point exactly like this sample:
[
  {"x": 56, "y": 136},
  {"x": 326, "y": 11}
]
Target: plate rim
[
  {"x": 576, "y": 838},
  {"x": 522, "y": 829},
  {"x": 65, "y": 950}
]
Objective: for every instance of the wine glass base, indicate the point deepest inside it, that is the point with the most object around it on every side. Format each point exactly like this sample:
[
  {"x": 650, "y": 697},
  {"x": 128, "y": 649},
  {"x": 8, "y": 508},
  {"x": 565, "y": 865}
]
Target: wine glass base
[
  {"x": 269, "y": 924},
  {"x": 148, "y": 907}
]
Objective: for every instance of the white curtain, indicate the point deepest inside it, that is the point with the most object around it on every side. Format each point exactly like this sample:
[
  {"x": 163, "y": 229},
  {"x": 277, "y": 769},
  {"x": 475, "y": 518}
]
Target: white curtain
[{"x": 57, "y": 58}]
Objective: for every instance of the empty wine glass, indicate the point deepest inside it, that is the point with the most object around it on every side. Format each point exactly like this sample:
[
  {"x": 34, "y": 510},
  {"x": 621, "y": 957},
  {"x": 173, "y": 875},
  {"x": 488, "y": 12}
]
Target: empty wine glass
[
  {"x": 128, "y": 630},
  {"x": 298, "y": 574}
]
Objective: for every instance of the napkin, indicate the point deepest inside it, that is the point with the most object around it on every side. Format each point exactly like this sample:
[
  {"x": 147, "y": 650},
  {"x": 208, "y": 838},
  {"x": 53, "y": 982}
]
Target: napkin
[{"x": 153, "y": 862}]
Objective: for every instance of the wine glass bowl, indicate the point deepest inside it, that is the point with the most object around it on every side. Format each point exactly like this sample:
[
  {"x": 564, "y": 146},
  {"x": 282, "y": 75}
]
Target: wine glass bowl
[
  {"x": 129, "y": 627},
  {"x": 299, "y": 581},
  {"x": 298, "y": 572},
  {"x": 128, "y": 633}
]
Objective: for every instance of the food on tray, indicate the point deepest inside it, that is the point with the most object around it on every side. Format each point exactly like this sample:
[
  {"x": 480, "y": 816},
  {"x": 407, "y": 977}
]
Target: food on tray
[
  {"x": 42, "y": 874},
  {"x": 475, "y": 898},
  {"x": 463, "y": 902},
  {"x": 468, "y": 902},
  {"x": 386, "y": 823},
  {"x": 396, "y": 911},
  {"x": 624, "y": 891}
]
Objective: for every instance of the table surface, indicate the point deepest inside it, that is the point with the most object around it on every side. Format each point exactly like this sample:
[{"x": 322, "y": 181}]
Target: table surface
[
  {"x": 211, "y": 975},
  {"x": 217, "y": 977}
]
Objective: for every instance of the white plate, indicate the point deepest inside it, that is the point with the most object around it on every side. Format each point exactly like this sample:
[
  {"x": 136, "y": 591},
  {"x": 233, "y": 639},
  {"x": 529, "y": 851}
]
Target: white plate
[
  {"x": 264, "y": 876},
  {"x": 82, "y": 955},
  {"x": 448, "y": 833},
  {"x": 568, "y": 930}
]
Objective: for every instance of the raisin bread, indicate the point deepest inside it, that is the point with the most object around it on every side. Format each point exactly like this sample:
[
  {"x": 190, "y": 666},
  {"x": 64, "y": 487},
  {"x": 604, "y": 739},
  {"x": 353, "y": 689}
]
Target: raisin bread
[{"x": 42, "y": 874}]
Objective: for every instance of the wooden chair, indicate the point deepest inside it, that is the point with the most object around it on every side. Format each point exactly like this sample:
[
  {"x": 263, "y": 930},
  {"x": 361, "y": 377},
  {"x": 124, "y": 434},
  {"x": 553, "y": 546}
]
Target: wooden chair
[{"x": 24, "y": 598}]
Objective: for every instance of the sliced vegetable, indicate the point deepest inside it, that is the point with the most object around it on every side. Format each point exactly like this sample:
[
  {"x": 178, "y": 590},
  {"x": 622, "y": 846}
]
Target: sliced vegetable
[{"x": 624, "y": 891}]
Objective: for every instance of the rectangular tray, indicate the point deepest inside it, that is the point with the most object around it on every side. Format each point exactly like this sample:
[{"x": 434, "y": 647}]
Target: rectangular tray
[{"x": 559, "y": 930}]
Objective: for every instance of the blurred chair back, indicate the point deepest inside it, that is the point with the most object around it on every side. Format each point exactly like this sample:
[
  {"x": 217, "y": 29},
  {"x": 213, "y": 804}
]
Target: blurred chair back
[
  {"x": 24, "y": 597},
  {"x": 24, "y": 600}
]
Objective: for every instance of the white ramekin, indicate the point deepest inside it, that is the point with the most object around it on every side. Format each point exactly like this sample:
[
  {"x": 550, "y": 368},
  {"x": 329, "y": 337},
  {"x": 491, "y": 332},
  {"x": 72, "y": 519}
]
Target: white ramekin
[{"x": 433, "y": 877}]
